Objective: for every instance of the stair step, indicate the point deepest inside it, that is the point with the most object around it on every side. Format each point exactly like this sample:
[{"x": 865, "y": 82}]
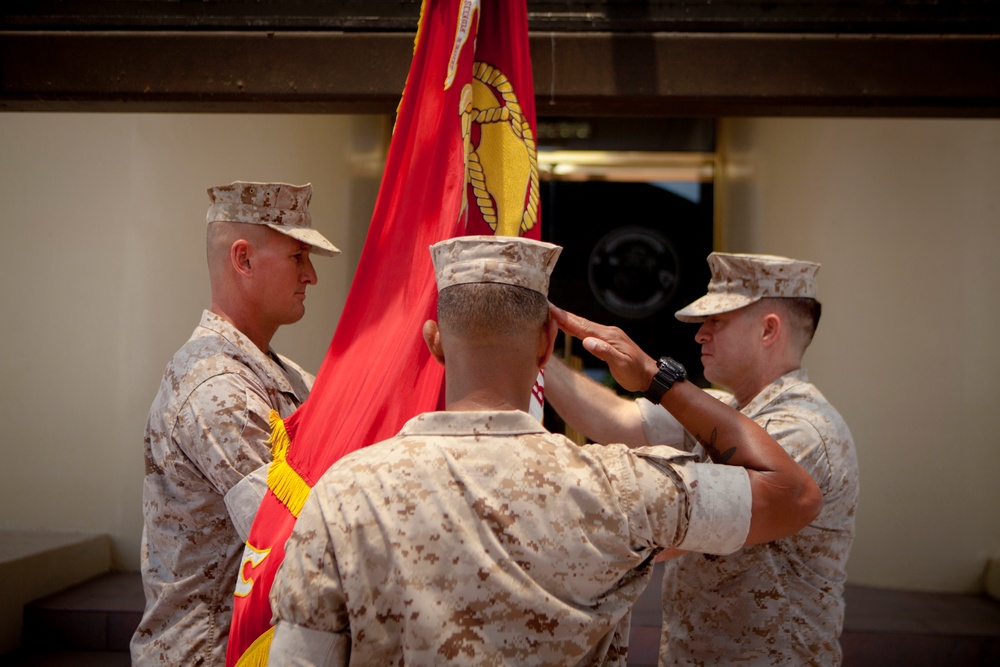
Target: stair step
[
  {"x": 90, "y": 625},
  {"x": 890, "y": 627},
  {"x": 37, "y": 563},
  {"x": 98, "y": 615},
  {"x": 24, "y": 658}
]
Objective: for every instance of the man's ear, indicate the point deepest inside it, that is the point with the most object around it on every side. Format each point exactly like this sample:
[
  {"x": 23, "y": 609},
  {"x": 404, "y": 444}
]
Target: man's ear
[
  {"x": 547, "y": 341},
  {"x": 432, "y": 336},
  {"x": 240, "y": 256},
  {"x": 771, "y": 329}
]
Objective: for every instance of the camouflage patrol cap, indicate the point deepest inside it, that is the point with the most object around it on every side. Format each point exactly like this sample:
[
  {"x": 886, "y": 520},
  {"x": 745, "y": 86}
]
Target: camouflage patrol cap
[
  {"x": 510, "y": 260},
  {"x": 282, "y": 207},
  {"x": 739, "y": 280}
]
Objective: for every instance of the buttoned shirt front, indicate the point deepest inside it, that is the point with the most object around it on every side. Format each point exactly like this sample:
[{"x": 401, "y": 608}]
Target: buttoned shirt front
[
  {"x": 480, "y": 538},
  {"x": 206, "y": 434},
  {"x": 779, "y": 603}
]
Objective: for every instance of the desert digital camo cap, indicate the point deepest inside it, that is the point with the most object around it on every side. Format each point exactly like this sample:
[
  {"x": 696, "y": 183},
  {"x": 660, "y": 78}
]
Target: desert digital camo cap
[
  {"x": 739, "y": 280},
  {"x": 282, "y": 207},
  {"x": 510, "y": 260}
]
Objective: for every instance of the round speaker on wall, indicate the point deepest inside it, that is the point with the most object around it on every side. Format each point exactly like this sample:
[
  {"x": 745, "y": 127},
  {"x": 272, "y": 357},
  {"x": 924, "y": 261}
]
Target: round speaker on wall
[{"x": 633, "y": 271}]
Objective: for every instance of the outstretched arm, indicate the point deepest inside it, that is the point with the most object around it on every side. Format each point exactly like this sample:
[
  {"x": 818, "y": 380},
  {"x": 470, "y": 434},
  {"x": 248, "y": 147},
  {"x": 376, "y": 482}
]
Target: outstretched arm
[
  {"x": 591, "y": 408},
  {"x": 785, "y": 497}
]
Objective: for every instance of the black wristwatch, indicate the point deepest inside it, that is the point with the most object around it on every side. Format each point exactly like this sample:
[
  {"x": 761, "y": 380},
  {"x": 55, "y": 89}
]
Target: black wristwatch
[{"x": 671, "y": 371}]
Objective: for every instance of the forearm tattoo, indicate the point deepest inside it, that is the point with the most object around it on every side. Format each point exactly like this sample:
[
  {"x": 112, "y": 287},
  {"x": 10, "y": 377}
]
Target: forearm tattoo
[{"x": 711, "y": 446}]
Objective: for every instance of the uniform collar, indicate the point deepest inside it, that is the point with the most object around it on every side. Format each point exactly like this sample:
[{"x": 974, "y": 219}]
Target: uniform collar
[
  {"x": 268, "y": 364},
  {"x": 493, "y": 423},
  {"x": 772, "y": 391}
]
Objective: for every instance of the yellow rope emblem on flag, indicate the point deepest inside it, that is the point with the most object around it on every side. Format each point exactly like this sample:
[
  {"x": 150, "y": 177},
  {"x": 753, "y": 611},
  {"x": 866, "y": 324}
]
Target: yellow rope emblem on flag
[{"x": 503, "y": 167}]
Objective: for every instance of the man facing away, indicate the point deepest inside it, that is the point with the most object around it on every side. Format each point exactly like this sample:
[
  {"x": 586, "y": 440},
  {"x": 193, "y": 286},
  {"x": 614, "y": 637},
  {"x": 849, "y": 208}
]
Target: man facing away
[
  {"x": 780, "y": 602},
  {"x": 206, "y": 438},
  {"x": 475, "y": 536}
]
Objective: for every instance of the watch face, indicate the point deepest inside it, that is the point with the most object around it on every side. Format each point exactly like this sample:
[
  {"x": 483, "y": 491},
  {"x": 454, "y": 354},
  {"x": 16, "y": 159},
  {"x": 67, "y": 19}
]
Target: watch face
[
  {"x": 671, "y": 364},
  {"x": 633, "y": 271}
]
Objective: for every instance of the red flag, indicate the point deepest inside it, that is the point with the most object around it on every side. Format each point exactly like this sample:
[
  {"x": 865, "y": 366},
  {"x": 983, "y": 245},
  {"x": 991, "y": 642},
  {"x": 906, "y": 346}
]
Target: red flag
[{"x": 462, "y": 160}]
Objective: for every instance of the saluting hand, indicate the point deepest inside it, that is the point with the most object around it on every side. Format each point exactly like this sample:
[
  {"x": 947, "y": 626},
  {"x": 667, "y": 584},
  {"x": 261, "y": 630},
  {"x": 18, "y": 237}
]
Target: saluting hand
[{"x": 630, "y": 366}]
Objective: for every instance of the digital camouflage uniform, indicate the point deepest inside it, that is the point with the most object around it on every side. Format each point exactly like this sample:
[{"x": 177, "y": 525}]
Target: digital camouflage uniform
[
  {"x": 780, "y": 603},
  {"x": 480, "y": 538},
  {"x": 207, "y": 431}
]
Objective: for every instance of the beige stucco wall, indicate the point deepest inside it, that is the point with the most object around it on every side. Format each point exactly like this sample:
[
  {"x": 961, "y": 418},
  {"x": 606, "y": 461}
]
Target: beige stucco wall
[
  {"x": 102, "y": 275},
  {"x": 102, "y": 268},
  {"x": 905, "y": 217}
]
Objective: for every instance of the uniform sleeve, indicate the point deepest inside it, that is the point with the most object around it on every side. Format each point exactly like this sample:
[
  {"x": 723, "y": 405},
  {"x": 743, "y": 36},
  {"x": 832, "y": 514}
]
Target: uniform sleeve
[
  {"x": 716, "y": 499},
  {"x": 298, "y": 646},
  {"x": 804, "y": 444},
  {"x": 658, "y": 425},
  {"x": 244, "y": 499},
  {"x": 307, "y": 597},
  {"x": 223, "y": 428}
]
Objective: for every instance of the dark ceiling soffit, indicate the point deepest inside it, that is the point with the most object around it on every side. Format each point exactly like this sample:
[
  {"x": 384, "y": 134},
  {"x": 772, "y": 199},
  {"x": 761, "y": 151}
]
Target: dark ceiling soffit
[
  {"x": 823, "y": 16},
  {"x": 602, "y": 74}
]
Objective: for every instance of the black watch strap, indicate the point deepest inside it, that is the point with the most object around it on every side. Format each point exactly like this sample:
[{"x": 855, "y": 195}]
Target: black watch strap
[{"x": 670, "y": 371}]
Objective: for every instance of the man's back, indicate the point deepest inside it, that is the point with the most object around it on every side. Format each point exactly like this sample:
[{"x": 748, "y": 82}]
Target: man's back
[{"x": 478, "y": 537}]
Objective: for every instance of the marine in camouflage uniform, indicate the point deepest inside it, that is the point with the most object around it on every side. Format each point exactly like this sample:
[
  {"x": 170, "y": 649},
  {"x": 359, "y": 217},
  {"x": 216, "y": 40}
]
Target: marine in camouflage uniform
[
  {"x": 477, "y": 537},
  {"x": 207, "y": 433},
  {"x": 781, "y": 602},
  {"x": 480, "y": 538},
  {"x": 206, "y": 452}
]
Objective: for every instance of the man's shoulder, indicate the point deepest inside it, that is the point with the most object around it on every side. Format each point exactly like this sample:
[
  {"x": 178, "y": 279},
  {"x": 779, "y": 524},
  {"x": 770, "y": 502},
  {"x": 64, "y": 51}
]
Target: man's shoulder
[
  {"x": 416, "y": 443},
  {"x": 799, "y": 416},
  {"x": 808, "y": 402},
  {"x": 795, "y": 395},
  {"x": 206, "y": 355}
]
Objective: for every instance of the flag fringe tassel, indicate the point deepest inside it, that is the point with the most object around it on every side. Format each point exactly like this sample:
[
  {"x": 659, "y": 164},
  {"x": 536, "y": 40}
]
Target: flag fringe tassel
[
  {"x": 282, "y": 479},
  {"x": 256, "y": 653}
]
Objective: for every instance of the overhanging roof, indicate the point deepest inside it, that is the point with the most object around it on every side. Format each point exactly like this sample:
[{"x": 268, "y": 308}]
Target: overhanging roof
[{"x": 643, "y": 58}]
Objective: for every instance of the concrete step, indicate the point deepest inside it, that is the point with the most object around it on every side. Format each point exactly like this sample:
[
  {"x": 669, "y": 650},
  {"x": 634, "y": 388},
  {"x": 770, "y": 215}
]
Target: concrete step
[
  {"x": 99, "y": 615},
  {"x": 90, "y": 625},
  {"x": 889, "y": 627},
  {"x": 34, "y": 564},
  {"x": 24, "y": 658}
]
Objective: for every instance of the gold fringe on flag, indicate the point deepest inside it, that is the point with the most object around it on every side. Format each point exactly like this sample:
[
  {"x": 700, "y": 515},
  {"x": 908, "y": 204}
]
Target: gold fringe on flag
[
  {"x": 256, "y": 653},
  {"x": 282, "y": 479}
]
